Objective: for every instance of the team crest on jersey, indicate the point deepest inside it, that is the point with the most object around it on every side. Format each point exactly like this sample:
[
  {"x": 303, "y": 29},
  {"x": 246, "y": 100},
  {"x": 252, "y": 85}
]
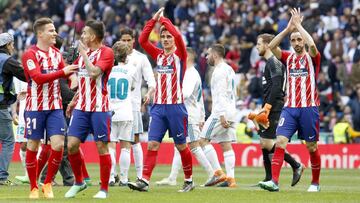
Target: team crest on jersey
[{"x": 30, "y": 64}]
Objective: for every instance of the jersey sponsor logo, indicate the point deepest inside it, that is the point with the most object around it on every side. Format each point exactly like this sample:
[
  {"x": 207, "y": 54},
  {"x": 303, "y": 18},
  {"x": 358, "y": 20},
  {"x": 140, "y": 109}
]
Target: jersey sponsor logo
[
  {"x": 30, "y": 64},
  {"x": 168, "y": 69},
  {"x": 302, "y": 72}
]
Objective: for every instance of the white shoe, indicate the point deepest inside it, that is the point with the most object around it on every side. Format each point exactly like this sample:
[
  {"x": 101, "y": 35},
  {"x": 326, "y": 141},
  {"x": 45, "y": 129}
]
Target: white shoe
[
  {"x": 100, "y": 195},
  {"x": 166, "y": 181},
  {"x": 314, "y": 188}
]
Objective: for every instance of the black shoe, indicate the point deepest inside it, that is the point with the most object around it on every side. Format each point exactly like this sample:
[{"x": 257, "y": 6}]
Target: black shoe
[
  {"x": 112, "y": 184},
  {"x": 297, "y": 173},
  {"x": 7, "y": 182},
  {"x": 139, "y": 185},
  {"x": 187, "y": 187},
  {"x": 117, "y": 179},
  {"x": 121, "y": 184}
]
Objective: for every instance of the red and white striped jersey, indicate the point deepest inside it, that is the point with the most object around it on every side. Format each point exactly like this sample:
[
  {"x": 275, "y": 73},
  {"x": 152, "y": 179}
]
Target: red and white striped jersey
[
  {"x": 302, "y": 72},
  {"x": 170, "y": 68},
  {"x": 93, "y": 93},
  {"x": 42, "y": 70}
]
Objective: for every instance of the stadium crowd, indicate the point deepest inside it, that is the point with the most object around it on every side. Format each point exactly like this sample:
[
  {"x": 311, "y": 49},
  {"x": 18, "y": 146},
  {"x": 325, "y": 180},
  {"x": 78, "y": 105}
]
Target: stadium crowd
[{"x": 333, "y": 24}]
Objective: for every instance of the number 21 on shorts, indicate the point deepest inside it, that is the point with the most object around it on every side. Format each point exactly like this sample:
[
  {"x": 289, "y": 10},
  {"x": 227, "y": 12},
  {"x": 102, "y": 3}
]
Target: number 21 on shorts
[{"x": 31, "y": 123}]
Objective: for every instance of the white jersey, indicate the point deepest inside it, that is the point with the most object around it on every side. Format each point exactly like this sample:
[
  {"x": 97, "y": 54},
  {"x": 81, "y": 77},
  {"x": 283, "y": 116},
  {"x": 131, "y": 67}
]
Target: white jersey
[
  {"x": 223, "y": 92},
  {"x": 20, "y": 86},
  {"x": 143, "y": 69},
  {"x": 121, "y": 82},
  {"x": 193, "y": 99}
]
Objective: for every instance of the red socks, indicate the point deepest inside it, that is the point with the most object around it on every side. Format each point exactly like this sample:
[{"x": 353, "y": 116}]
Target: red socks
[
  {"x": 53, "y": 164},
  {"x": 43, "y": 158},
  {"x": 31, "y": 167},
  {"x": 105, "y": 166},
  {"x": 83, "y": 166},
  {"x": 315, "y": 166},
  {"x": 76, "y": 161},
  {"x": 149, "y": 164},
  {"x": 276, "y": 163},
  {"x": 186, "y": 160}
]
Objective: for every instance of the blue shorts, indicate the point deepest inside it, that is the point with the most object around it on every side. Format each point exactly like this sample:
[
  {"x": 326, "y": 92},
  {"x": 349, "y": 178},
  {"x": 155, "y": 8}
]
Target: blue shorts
[
  {"x": 38, "y": 122},
  {"x": 303, "y": 120},
  {"x": 172, "y": 117},
  {"x": 82, "y": 123}
]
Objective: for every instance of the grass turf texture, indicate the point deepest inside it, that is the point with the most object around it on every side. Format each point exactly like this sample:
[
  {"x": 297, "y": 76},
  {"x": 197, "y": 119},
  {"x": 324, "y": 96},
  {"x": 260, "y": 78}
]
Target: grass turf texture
[{"x": 336, "y": 186}]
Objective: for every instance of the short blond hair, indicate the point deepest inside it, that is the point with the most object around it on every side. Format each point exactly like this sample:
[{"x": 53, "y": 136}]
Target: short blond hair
[{"x": 121, "y": 50}]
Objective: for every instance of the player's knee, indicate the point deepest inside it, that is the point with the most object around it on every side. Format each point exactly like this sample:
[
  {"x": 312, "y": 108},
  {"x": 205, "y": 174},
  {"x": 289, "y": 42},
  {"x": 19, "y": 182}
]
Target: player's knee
[
  {"x": 23, "y": 146},
  {"x": 194, "y": 144},
  {"x": 311, "y": 146},
  {"x": 203, "y": 142},
  {"x": 102, "y": 147},
  {"x": 125, "y": 144},
  {"x": 281, "y": 141},
  {"x": 266, "y": 144},
  {"x": 153, "y": 146},
  {"x": 136, "y": 139},
  {"x": 226, "y": 146},
  {"x": 181, "y": 147}
]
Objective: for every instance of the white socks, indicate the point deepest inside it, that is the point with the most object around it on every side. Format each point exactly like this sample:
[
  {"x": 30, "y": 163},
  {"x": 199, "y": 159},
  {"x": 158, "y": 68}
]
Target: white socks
[
  {"x": 23, "y": 161},
  {"x": 176, "y": 165},
  {"x": 212, "y": 157},
  {"x": 229, "y": 159},
  {"x": 138, "y": 159},
  {"x": 112, "y": 153},
  {"x": 124, "y": 162},
  {"x": 201, "y": 158}
]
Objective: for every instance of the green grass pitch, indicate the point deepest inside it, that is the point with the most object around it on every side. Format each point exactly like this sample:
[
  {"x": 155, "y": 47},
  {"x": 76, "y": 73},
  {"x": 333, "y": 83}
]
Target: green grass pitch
[{"x": 336, "y": 186}]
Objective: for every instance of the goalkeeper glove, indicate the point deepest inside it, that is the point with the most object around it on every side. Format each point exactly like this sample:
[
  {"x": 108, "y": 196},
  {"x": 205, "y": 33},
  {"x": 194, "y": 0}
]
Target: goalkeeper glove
[{"x": 262, "y": 117}]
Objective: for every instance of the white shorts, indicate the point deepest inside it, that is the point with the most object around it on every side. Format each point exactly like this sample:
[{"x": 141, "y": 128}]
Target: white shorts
[
  {"x": 214, "y": 131},
  {"x": 193, "y": 133},
  {"x": 20, "y": 133},
  {"x": 20, "y": 129},
  {"x": 137, "y": 123},
  {"x": 121, "y": 130}
]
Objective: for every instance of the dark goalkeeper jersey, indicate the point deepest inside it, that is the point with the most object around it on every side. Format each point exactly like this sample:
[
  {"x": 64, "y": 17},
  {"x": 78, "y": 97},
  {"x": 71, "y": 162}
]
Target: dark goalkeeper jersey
[{"x": 273, "y": 81}]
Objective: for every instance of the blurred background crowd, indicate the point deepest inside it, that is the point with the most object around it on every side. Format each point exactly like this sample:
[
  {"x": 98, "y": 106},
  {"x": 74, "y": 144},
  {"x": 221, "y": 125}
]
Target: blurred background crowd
[{"x": 333, "y": 24}]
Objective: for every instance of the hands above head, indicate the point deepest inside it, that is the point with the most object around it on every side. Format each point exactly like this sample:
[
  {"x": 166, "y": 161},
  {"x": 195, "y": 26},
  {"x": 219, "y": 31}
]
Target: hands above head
[
  {"x": 296, "y": 16},
  {"x": 158, "y": 14},
  {"x": 295, "y": 20}
]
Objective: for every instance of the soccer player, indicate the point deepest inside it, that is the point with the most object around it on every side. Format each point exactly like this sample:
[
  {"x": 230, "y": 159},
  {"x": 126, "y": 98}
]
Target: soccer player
[
  {"x": 168, "y": 112},
  {"x": 43, "y": 66},
  {"x": 20, "y": 89},
  {"x": 121, "y": 82},
  {"x": 194, "y": 103},
  {"x": 220, "y": 126},
  {"x": 91, "y": 103},
  {"x": 301, "y": 111},
  {"x": 273, "y": 99},
  {"x": 143, "y": 70}
]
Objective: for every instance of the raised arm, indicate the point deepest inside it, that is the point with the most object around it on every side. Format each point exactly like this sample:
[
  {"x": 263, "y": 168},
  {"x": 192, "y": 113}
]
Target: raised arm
[
  {"x": 297, "y": 18},
  {"x": 144, "y": 42}
]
